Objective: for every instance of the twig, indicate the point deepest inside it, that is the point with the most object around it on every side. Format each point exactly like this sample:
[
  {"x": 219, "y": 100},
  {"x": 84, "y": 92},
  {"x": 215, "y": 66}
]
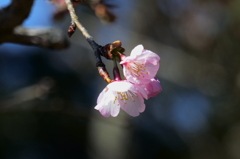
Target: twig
[
  {"x": 74, "y": 18},
  {"x": 100, "y": 65}
]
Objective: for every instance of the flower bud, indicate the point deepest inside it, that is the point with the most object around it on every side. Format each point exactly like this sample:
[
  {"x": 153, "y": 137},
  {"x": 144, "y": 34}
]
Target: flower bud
[{"x": 71, "y": 29}]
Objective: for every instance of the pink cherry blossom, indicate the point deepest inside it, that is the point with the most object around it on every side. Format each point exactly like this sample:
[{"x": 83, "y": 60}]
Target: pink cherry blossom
[
  {"x": 121, "y": 94},
  {"x": 152, "y": 88},
  {"x": 141, "y": 66}
]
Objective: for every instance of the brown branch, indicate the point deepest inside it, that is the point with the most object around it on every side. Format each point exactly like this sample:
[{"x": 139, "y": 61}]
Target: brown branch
[
  {"x": 47, "y": 38},
  {"x": 14, "y": 14}
]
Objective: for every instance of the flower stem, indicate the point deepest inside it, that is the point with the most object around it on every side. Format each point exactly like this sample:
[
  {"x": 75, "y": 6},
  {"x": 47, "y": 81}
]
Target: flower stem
[{"x": 116, "y": 73}]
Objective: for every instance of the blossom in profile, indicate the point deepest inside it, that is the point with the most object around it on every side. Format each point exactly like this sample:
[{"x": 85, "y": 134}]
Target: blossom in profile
[
  {"x": 141, "y": 66},
  {"x": 121, "y": 94}
]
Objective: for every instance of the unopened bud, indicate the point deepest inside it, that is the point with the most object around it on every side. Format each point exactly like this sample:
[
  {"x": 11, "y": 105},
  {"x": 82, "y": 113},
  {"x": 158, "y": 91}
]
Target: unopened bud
[
  {"x": 71, "y": 29},
  {"x": 112, "y": 49},
  {"x": 117, "y": 43}
]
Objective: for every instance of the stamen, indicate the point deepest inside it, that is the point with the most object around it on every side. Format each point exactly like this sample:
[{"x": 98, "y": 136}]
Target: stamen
[
  {"x": 124, "y": 96},
  {"x": 137, "y": 69}
]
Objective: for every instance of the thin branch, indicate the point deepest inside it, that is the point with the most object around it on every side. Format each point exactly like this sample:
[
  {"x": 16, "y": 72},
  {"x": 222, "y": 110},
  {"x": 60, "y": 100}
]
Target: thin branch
[
  {"x": 100, "y": 65},
  {"x": 74, "y": 18}
]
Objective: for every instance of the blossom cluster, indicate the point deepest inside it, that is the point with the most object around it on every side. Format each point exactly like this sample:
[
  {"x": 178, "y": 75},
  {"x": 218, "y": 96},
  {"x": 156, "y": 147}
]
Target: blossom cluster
[{"x": 139, "y": 69}]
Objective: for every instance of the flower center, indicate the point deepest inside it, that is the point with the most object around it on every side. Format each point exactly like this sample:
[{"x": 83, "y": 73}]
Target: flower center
[
  {"x": 124, "y": 97},
  {"x": 137, "y": 69}
]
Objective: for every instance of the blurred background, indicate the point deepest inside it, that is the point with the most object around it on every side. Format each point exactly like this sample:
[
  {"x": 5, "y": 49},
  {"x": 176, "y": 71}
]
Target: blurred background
[{"x": 47, "y": 97}]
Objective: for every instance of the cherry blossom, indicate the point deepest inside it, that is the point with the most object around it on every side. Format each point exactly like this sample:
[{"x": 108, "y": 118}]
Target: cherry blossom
[
  {"x": 121, "y": 94},
  {"x": 141, "y": 66}
]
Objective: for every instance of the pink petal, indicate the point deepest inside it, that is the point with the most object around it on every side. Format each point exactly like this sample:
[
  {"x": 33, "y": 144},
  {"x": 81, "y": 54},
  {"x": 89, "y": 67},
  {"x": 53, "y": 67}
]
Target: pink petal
[
  {"x": 153, "y": 88},
  {"x": 106, "y": 107},
  {"x": 134, "y": 53},
  {"x": 101, "y": 95},
  {"x": 128, "y": 59},
  {"x": 129, "y": 76},
  {"x": 142, "y": 76},
  {"x": 134, "y": 108},
  {"x": 120, "y": 86},
  {"x": 137, "y": 50},
  {"x": 142, "y": 91},
  {"x": 149, "y": 56},
  {"x": 108, "y": 110},
  {"x": 151, "y": 70},
  {"x": 115, "y": 110},
  {"x": 105, "y": 103}
]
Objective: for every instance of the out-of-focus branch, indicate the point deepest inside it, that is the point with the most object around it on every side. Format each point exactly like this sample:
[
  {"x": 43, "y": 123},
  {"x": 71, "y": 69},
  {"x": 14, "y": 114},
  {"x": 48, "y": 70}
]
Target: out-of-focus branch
[
  {"x": 11, "y": 18},
  {"x": 47, "y": 37},
  {"x": 102, "y": 11},
  {"x": 14, "y": 14}
]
